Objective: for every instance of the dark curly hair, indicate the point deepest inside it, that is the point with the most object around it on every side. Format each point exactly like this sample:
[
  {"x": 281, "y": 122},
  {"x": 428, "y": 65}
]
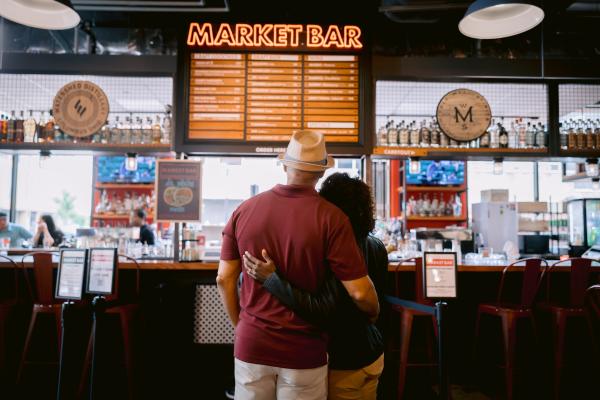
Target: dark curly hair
[{"x": 354, "y": 198}]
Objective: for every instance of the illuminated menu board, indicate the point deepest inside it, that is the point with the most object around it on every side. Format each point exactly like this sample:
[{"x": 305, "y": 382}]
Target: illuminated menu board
[{"x": 265, "y": 97}]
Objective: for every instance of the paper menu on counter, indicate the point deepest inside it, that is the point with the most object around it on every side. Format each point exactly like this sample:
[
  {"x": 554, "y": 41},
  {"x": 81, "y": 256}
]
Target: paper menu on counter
[
  {"x": 101, "y": 271},
  {"x": 71, "y": 272},
  {"x": 439, "y": 277}
]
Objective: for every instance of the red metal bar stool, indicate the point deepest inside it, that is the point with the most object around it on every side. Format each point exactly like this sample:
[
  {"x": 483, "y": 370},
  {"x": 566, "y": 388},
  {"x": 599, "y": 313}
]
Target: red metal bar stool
[
  {"x": 6, "y": 307},
  {"x": 510, "y": 312},
  {"x": 591, "y": 304},
  {"x": 44, "y": 302},
  {"x": 407, "y": 316},
  {"x": 561, "y": 312},
  {"x": 126, "y": 313}
]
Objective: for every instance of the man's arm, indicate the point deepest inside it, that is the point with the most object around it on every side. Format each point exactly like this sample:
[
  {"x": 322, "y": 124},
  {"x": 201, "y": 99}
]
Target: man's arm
[
  {"x": 24, "y": 233},
  {"x": 363, "y": 294},
  {"x": 227, "y": 278}
]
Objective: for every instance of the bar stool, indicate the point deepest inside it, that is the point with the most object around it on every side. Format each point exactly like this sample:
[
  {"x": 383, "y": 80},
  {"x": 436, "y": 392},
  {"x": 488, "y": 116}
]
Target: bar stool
[
  {"x": 126, "y": 313},
  {"x": 579, "y": 278},
  {"x": 591, "y": 304},
  {"x": 407, "y": 316},
  {"x": 6, "y": 308},
  {"x": 44, "y": 302},
  {"x": 509, "y": 313}
]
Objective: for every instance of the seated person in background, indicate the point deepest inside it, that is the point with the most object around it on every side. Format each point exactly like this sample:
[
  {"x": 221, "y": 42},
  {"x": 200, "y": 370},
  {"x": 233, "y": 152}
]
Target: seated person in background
[
  {"x": 46, "y": 234},
  {"x": 138, "y": 218},
  {"x": 355, "y": 344},
  {"x": 16, "y": 233}
]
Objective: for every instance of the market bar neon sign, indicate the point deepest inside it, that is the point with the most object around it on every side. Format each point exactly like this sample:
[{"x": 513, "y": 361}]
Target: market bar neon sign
[{"x": 274, "y": 35}]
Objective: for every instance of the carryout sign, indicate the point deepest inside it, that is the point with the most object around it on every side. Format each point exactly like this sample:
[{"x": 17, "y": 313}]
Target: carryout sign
[{"x": 275, "y": 36}]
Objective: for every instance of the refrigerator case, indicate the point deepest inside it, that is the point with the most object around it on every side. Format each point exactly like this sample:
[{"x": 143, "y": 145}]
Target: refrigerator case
[
  {"x": 584, "y": 223},
  {"x": 498, "y": 223}
]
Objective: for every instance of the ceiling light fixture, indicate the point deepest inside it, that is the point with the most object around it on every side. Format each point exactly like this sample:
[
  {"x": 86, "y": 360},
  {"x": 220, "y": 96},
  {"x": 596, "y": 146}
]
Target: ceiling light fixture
[
  {"x": 591, "y": 167},
  {"x": 414, "y": 165},
  {"x": 495, "y": 19},
  {"x": 42, "y": 14},
  {"x": 498, "y": 166},
  {"x": 131, "y": 162}
]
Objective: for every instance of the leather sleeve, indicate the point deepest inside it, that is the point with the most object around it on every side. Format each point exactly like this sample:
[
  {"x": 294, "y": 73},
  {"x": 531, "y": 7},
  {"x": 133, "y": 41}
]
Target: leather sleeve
[{"x": 316, "y": 308}]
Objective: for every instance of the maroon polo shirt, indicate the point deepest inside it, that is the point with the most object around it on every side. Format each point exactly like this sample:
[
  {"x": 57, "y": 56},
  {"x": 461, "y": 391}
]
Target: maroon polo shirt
[{"x": 304, "y": 234}]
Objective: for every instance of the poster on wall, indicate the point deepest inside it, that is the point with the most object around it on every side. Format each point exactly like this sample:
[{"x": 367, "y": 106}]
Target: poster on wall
[
  {"x": 440, "y": 275},
  {"x": 178, "y": 190},
  {"x": 71, "y": 272},
  {"x": 101, "y": 274}
]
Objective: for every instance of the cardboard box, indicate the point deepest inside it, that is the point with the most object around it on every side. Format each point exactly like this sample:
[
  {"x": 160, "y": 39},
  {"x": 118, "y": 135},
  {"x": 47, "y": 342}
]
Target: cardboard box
[
  {"x": 532, "y": 207},
  {"x": 526, "y": 225},
  {"x": 494, "y": 196}
]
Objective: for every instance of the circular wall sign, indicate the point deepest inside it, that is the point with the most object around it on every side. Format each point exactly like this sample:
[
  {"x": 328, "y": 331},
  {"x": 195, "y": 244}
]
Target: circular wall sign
[
  {"x": 80, "y": 108},
  {"x": 464, "y": 114}
]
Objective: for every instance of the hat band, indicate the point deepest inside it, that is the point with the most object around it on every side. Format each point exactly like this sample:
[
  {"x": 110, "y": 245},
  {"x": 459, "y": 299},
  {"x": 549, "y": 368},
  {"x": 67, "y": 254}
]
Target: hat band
[{"x": 323, "y": 162}]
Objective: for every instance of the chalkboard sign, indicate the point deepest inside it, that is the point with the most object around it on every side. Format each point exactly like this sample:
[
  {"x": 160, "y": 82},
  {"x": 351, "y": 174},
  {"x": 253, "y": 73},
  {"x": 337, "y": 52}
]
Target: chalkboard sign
[
  {"x": 101, "y": 274},
  {"x": 71, "y": 272},
  {"x": 178, "y": 190},
  {"x": 439, "y": 275}
]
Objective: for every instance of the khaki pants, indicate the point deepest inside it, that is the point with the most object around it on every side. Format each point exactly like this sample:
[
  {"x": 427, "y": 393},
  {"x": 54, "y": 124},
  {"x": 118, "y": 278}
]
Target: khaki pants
[
  {"x": 355, "y": 384},
  {"x": 262, "y": 382}
]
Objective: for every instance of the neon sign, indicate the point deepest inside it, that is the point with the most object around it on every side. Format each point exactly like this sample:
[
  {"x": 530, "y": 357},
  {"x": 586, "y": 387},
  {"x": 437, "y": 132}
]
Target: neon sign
[{"x": 274, "y": 35}]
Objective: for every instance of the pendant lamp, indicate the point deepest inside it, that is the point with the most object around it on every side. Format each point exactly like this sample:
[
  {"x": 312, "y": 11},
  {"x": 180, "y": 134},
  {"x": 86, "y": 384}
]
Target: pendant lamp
[
  {"x": 42, "y": 14},
  {"x": 495, "y": 19}
]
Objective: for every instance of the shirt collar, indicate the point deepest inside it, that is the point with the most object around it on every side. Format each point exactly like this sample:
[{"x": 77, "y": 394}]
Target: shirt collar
[{"x": 295, "y": 190}]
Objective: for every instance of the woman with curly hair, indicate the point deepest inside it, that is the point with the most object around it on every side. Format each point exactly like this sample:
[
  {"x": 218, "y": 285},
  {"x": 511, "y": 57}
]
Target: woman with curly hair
[{"x": 355, "y": 344}]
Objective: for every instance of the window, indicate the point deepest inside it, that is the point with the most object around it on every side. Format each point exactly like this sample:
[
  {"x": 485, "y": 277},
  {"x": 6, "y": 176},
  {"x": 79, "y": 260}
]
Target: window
[
  {"x": 228, "y": 181},
  {"x": 553, "y": 189},
  {"x": 516, "y": 176},
  {"x": 5, "y": 182},
  {"x": 58, "y": 185}
]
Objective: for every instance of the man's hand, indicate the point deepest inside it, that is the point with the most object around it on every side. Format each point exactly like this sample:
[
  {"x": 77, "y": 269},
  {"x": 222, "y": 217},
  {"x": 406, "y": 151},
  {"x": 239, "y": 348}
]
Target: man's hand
[{"x": 257, "y": 269}]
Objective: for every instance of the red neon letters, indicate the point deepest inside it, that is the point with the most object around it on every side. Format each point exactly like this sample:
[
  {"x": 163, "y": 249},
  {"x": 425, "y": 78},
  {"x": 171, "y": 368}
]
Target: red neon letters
[{"x": 274, "y": 35}]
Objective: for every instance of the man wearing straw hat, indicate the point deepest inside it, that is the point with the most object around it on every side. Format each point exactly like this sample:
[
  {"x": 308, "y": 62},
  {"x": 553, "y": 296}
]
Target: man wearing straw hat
[{"x": 277, "y": 354}]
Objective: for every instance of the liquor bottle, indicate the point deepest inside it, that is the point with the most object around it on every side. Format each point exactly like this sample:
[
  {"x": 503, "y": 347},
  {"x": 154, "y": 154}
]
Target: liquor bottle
[
  {"x": 57, "y": 134},
  {"x": 494, "y": 140},
  {"x": 564, "y": 134},
  {"x": 403, "y": 135},
  {"x": 484, "y": 140},
  {"x": 513, "y": 134},
  {"x": 530, "y": 136},
  {"x": 156, "y": 131},
  {"x": 590, "y": 138},
  {"x": 29, "y": 128},
  {"x": 572, "y": 142},
  {"x": 127, "y": 133},
  {"x": 540, "y": 136},
  {"x": 522, "y": 129},
  {"x": 444, "y": 140},
  {"x": 435, "y": 135},
  {"x": 11, "y": 126},
  {"x": 166, "y": 139},
  {"x": 39, "y": 128},
  {"x": 392, "y": 134},
  {"x": 452, "y": 142},
  {"x": 146, "y": 130},
  {"x": 425, "y": 135},
  {"x": 580, "y": 136},
  {"x": 382, "y": 134},
  {"x": 415, "y": 135},
  {"x": 136, "y": 131},
  {"x": 19, "y": 134},
  {"x": 3, "y": 126},
  {"x": 503, "y": 136},
  {"x": 49, "y": 129},
  {"x": 115, "y": 132},
  {"x": 597, "y": 133}
]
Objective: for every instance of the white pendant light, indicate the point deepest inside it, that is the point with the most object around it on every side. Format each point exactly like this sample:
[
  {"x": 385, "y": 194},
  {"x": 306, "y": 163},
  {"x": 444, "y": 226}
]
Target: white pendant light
[
  {"x": 495, "y": 19},
  {"x": 42, "y": 14}
]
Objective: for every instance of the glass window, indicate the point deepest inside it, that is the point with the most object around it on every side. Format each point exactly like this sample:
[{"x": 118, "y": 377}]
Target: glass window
[
  {"x": 58, "y": 185},
  {"x": 5, "y": 182},
  {"x": 553, "y": 189},
  {"x": 228, "y": 181},
  {"x": 516, "y": 176}
]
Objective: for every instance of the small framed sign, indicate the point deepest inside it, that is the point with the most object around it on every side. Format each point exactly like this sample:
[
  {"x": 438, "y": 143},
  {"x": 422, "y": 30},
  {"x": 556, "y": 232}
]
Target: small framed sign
[
  {"x": 71, "y": 272},
  {"x": 102, "y": 271},
  {"x": 178, "y": 190},
  {"x": 439, "y": 275}
]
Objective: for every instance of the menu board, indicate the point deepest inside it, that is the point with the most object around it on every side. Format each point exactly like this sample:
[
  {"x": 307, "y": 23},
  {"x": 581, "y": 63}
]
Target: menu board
[
  {"x": 178, "y": 190},
  {"x": 71, "y": 271},
  {"x": 440, "y": 275},
  {"x": 101, "y": 273},
  {"x": 264, "y": 97}
]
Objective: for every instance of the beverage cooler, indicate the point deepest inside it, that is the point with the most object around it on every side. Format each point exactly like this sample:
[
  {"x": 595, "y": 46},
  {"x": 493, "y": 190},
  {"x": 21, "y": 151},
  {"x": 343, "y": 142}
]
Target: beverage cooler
[{"x": 584, "y": 224}]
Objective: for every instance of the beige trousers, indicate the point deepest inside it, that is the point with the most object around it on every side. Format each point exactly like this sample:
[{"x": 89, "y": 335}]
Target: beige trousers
[
  {"x": 355, "y": 384},
  {"x": 262, "y": 382}
]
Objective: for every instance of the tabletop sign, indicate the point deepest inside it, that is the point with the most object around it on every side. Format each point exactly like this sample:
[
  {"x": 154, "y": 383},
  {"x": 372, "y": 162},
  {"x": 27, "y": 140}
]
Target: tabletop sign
[
  {"x": 464, "y": 114},
  {"x": 71, "y": 272},
  {"x": 80, "y": 108},
  {"x": 178, "y": 190},
  {"x": 439, "y": 275},
  {"x": 101, "y": 272}
]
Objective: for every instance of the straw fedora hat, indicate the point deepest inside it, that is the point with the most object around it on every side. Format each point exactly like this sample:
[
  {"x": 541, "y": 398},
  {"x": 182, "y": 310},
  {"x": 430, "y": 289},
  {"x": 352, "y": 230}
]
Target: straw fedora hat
[{"x": 306, "y": 152}]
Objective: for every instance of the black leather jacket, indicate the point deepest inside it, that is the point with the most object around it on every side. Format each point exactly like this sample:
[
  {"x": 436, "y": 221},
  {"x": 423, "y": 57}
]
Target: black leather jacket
[{"x": 354, "y": 341}]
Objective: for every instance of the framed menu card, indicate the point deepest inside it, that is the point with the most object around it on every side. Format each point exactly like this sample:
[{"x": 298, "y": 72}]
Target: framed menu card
[
  {"x": 71, "y": 273},
  {"x": 439, "y": 277},
  {"x": 102, "y": 270}
]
